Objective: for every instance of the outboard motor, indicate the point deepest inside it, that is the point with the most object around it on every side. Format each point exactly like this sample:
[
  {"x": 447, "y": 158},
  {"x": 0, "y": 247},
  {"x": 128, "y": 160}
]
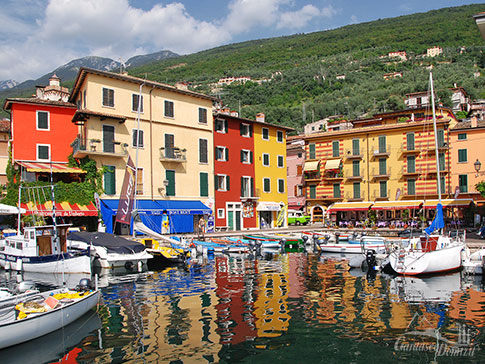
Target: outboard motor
[
  {"x": 258, "y": 248},
  {"x": 315, "y": 242},
  {"x": 282, "y": 245},
  {"x": 337, "y": 235},
  {"x": 370, "y": 259},
  {"x": 25, "y": 286},
  {"x": 84, "y": 285},
  {"x": 305, "y": 239}
]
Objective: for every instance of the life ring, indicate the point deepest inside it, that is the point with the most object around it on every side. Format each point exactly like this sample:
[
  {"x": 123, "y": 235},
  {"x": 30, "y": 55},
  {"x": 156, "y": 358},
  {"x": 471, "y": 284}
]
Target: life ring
[{"x": 239, "y": 241}]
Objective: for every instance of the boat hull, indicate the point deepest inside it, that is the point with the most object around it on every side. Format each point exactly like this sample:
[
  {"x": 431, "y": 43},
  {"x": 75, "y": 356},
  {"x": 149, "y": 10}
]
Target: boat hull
[
  {"x": 351, "y": 248},
  {"x": 55, "y": 263}
]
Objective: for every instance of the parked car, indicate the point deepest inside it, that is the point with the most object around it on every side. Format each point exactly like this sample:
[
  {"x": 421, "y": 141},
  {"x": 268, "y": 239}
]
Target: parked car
[{"x": 296, "y": 217}]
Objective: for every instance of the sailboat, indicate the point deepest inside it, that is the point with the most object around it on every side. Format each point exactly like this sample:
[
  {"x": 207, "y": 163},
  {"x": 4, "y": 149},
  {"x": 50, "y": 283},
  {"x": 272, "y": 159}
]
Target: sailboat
[{"x": 431, "y": 253}]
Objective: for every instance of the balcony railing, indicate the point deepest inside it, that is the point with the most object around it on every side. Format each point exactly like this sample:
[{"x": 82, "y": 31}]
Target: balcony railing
[
  {"x": 349, "y": 196},
  {"x": 380, "y": 152},
  {"x": 410, "y": 149},
  {"x": 441, "y": 147},
  {"x": 354, "y": 154},
  {"x": 85, "y": 147},
  {"x": 333, "y": 176},
  {"x": 377, "y": 173},
  {"x": 173, "y": 155},
  {"x": 349, "y": 174},
  {"x": 311, "y": 177},
  {"x": 377, "y": 195}
]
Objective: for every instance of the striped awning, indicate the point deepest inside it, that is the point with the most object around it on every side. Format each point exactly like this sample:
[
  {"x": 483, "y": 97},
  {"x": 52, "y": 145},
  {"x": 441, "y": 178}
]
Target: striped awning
[
  {"x": 397, "y": 205},
  {"x": 350, "y": 206},
  {"x": 62, "y": 209},
  {"x": 332, "y": 164},
  {"x": 46, "y": 167},
  {"x": 311, "y": 166},
  {"x": 453, "y": 202}
]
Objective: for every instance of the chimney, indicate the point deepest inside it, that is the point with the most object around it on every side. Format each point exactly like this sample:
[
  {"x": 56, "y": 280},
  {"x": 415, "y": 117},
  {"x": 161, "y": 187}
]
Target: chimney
[
  {"x": 226, "y": 111},
  {"x": 474, "y": 121},
  {"x": 54, "y": 80},
  {"x": 260, "y": 117}
]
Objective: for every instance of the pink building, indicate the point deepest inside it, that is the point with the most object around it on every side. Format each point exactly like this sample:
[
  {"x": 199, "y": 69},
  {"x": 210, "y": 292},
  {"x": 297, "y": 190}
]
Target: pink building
[{"x": 295, "y": 159}]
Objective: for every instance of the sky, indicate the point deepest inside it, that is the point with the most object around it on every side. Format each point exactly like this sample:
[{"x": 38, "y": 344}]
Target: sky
[{"x": 37, "y": 36}]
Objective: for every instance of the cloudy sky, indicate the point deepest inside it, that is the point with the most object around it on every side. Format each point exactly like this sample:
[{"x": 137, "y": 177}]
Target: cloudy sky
[{"x": 37, "y": 36}]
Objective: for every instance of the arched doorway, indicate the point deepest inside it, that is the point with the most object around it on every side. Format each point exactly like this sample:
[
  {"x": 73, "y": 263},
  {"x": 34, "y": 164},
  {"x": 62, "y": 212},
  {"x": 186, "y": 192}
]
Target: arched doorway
[{"x": 317, "y": 213}]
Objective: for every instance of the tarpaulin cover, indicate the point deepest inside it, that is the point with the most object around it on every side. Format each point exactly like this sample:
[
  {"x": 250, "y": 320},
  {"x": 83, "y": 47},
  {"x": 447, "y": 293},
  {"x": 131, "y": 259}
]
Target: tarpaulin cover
[
  {"x": 112, "y": 243},
  {"x": 438, "y": 221}
]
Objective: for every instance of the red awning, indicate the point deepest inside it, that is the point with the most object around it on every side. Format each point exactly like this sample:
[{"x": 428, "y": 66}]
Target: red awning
[
  {"x": 46, "y": 167},
  {"x": 62, "y": 209}
]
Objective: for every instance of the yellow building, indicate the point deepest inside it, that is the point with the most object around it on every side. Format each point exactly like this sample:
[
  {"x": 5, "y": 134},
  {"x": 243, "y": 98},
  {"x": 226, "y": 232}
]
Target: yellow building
[
  {"x": 170, "y": 139},
  {"x": 270, "y": 172},
  {"x": 387, "y": 161}
]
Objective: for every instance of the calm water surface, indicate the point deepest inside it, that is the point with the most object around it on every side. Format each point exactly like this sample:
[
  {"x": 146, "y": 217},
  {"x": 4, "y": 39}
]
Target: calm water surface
[{"x": 293, "y": 308}]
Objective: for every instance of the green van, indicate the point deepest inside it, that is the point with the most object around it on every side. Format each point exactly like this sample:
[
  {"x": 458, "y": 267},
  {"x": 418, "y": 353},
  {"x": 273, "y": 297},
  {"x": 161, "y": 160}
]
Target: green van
[{"x": 296, "y": 217}]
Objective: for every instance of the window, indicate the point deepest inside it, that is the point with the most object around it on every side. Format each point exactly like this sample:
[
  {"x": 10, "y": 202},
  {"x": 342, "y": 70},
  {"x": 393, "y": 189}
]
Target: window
[
  {"x": 299, "y": 170},
  {"x": 42, "y": 120},
  {"x": 281, "y": 185},
  {"x": 265, "y": 159},
  {"x": 220, "y": 213},
  {"x": 281, "y": 161},
  {"x": 411, "y": 164},
  {"x": 410, "y": 141},
  {"x": 442, "y": 179},
  {"x": 355, "y": 146},
  {"x": 202, "y": 115},
  {"x": 441, "y": 137},
  {"x": 204, "y": 184},
  {"x": 137, "y": 138},
  {"x": 220, "y": 126},
  {"x": 441, "y": 161},
  {"x": 108, "y": 138},
  {"x": 356, "y": 190},
  {"x": 222, "y": 154},
  {"x": 109, "y": 180},
  {"x": 247, "y": 187},
  {"x": 108, "y": 97},
  {"x": 382, "y": 144},
  {"x": 463, "y": 182},
  {"x": 84, "y": 99},
  {"x": 462, "y": 136},
  {"x": 299, "y": 190},
  {"x": 246, "y": 156},
  {"x": 335, "y": 148},
  {"x": 170, "y": 177},
  {"x": 43, "y": 152},
  {"x": 168, "y": 109},
  {"x": 203, "y": 158},
  {"x": 356, "y": 168},
  {"x": 311, "y": 150},
  {"x": 245, "y": 130},
  {"x": 169, "y": 146},
  {"x": 382, "y": 167},
  {"x": 222, "y": 182},
  {"x": 313, "y": 191},
  {"x": 139, "y": 181},
  {"x": 411, "y": 186},
  {"x": 265, "y": 132},
  {"x": 135, "y": 102},
  {"x": 336, "y": 190},
  {"x": 279, "y": 136},
  {"x": 462, "y": 155},
  {"x": 266, "y": 185},
  {"x": 383, "y": 189}
]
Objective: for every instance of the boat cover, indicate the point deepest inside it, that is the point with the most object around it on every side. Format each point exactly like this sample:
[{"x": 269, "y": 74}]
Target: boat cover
[{"x": 112, "y": 243}]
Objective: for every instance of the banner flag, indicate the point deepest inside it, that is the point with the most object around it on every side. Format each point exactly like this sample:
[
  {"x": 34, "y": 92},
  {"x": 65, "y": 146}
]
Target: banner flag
[{"x": 125, "y": 205}]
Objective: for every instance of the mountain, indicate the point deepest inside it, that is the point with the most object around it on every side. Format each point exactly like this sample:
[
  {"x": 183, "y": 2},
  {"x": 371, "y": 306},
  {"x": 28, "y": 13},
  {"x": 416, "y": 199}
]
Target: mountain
[
  {"x": 8, "y": 84},
  {"x": 138, "y": 61}
]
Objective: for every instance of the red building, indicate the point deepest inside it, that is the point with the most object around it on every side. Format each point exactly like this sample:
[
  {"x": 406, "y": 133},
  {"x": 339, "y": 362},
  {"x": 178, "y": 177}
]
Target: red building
[{"x": 234, "y": 172}]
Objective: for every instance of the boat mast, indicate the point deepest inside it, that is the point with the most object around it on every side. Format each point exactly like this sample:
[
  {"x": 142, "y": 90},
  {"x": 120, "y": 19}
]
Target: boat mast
[
  {"x": 18, "y": 218},
  {"x": 137, "y": 145},
  {"x": 435, "y": 137}
]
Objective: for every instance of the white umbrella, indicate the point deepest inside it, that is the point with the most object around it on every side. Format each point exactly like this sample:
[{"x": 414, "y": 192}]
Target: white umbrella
[{"x": 10, "y": 210}]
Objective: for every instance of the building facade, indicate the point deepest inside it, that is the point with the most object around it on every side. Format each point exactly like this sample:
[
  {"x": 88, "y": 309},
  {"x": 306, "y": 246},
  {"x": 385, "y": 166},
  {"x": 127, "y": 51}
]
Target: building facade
[{"x": 295, "y": 159}]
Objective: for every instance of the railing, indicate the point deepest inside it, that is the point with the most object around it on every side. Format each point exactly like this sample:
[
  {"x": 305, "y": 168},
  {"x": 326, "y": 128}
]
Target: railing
[
  {"x": 330, "y": 155},
  {"x": 173, "y": 154},
  {"x": 83, "y": 147},
  {"x": 333, "y": 175},
  {"x": 379, "y": 152},
  {"x": 311, "y": 177},
  {"x": 349, "y": 174},
  {"x": 376, "y": 194},
  {"x": 349, "y": 196},
  {"x": 415, "y": 149},
  {"x": 377, "y": 173},
  {"x": 354, "y": 154}
]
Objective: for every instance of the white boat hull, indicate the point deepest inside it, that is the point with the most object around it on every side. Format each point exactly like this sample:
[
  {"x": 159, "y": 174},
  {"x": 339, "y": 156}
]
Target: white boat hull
[
  {"x": 348, "y": 248},
  {"x": 52, "y": 264}
]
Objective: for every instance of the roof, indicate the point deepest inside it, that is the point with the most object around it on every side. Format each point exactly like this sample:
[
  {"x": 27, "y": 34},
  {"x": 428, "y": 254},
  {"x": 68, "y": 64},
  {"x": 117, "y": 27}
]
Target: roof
[
  {"x": 35, "y": 101},
  {"x": 84, "y": 71},
  {"x": 5, "y": 126},
  {"x": 83, "y": 115},
  {"x": 468, "y": 125},
  {"x": 226, "y": 116}
]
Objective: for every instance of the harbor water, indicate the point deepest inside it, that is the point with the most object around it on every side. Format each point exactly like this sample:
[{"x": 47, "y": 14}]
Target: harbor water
[{"x": 289, "y": 308}]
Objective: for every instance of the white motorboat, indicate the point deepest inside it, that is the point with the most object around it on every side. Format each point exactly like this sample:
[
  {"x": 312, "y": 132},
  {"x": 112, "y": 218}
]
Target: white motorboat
[
  {"x": 474, "y": 263},
  {"x": 31, "y": 315},
  {"x": 43, "y": 249},
  {"x": 357, "y": 245},
  {"x": 111, "y": 251}
]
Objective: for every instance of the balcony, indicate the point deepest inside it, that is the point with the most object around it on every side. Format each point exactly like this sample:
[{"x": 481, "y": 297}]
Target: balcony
[
  {"x": 175, "y": 155},
  {"x": 408, "y": 172},
  {"x": 311, "y": 177},
  {"x": 352, "y": 198},
  {"x": 442, "y": 146},
  {"x": 381, "y": 152},
  {"x": 96, "y": 147},
  {"x": 354, "y": 154},
  {"x": 415, "y": 149},
  {"x": 331, "y": 155},
  {"x": 333, "y": 176},
  {"x": 350, "y": 176},
  {"x": 378, "y": 174},
  {"x": 377, "y": 195}
]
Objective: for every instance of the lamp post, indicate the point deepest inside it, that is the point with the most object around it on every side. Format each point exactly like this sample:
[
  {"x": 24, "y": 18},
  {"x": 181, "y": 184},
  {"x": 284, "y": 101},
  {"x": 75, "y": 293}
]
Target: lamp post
[{"x": 477, "y": 166}]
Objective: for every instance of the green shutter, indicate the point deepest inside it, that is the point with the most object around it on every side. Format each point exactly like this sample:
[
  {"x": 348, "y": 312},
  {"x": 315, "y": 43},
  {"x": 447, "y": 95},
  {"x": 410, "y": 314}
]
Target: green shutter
[
  {"x": 335, "y": 148},
  {"x": 204, "y": 184},
  {"x": 382, "y": 167},
  {"x": 356, "y": 168},
  {"x": 109, "y": 181},
  {"x": 411, "y": 164},
  {"x": 356, "y": 190},
  {"x": 312, "y": 153},
  {"x": 336, "y": 190},
  {"x": 411, "y": 186},
  {"x": 355, "y": 146},
  {"x": 313, "y": 191},
  {"x": 410, "y": 141},
  {"x": 228, "y": 184},
  {"x": 382, "y": 144},
  {"x": 441, "y": 137},
  {"x": 170, "y": 177}
]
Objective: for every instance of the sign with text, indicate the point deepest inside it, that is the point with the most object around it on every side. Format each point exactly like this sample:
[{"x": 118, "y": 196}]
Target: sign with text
[{"x": 125, "y": 205}]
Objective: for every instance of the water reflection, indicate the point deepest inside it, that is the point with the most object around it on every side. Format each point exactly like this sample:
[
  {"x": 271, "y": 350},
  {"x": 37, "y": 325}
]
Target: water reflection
[{"x": 295, "y": 307}]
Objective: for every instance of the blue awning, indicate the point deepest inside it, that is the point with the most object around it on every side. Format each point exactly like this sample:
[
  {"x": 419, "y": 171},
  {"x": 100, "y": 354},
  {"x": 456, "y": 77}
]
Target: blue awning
[{"x": 156, "y": 207}]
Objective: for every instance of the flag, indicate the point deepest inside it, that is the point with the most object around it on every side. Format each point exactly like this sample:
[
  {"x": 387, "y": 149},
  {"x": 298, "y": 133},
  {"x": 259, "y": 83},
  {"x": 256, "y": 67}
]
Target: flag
[{"x": 125, "y": 205}]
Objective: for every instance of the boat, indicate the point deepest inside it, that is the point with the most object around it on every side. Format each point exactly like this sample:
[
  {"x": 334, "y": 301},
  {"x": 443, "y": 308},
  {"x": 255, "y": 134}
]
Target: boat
[
  {"x": 354, "y": 244},
  {"x": 292, "y": 243},
  {"x": 430, "y": 253},
  {"x": 163, "y": 254},
  {"x": 30, "y": 315},
  {"x": 474, "y": 263},
  {"x": 43, "y": 249},
  {"x": 111, "y": 251}
]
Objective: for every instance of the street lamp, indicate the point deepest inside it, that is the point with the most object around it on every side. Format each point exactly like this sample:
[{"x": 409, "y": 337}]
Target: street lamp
[{"x": 477, "y": 166}]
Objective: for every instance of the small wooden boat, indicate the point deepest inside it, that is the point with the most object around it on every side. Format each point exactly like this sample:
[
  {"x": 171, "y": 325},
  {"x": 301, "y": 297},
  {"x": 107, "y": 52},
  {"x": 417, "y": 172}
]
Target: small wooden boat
[{"x": 31, "y": 315}]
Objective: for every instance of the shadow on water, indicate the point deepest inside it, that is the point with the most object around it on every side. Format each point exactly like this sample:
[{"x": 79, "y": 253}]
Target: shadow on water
[{"x": 290, "y": 308}]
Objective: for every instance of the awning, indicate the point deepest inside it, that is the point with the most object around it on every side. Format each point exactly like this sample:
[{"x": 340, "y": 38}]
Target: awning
[
  {"x": 332, "y": 164},
  {"x": 62, "y": 209},
  {"x": 10, "y": 210},
  {"x": 311, "y": 166},
  {"x": 350, "y": 206},
  {"x": 454, "y": 202},
  {"x": 159, "y": 207},
  {"x": 397, "y": 205},
  {"x": 46, "y": 167},
  {"x": 268, "y": 206}
]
